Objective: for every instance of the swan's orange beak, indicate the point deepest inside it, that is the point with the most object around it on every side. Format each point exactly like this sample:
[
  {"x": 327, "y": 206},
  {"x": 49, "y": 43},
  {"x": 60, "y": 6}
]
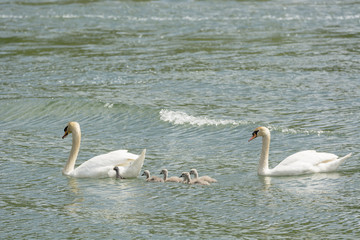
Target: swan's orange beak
[
  {"x": 253, "y": 137},
  {"x": 66, "y": 132}
]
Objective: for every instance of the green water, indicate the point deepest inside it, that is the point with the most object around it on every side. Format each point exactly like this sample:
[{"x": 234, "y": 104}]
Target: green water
[{"x": 189, "y": 81}]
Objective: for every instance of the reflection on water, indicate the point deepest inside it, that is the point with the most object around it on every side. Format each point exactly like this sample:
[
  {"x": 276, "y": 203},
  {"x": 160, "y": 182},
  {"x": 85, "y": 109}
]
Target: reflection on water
[
  {"x": 74, "y": 207},
  {"x": 73, "y": 185},
  {"x": 266, "y": 180}
]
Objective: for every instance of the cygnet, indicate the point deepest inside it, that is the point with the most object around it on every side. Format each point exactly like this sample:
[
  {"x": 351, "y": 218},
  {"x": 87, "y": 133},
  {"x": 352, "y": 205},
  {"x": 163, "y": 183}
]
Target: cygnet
[
  {"x": 170, "y": 179},
  {"x": 188, "y": 180},
  {"x": 204, "y": 178},
  {"x": 151, "y": 179},
  {"x": 118, "y": 173}
]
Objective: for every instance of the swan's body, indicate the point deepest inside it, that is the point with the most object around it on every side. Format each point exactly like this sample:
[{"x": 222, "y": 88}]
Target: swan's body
[
  {"x": 188, "y": 180},
  {"x": 303, "y": 162},
  {"x": 102, "y": 166},
  {"x": 170, "y": 179},
  {"x": 204, "y": 178},
  {"x": 153, "y": 178}
]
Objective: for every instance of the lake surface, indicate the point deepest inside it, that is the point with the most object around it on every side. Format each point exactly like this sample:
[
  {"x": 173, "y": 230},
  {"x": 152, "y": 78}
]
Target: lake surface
[{"x": 189, "y": 81}]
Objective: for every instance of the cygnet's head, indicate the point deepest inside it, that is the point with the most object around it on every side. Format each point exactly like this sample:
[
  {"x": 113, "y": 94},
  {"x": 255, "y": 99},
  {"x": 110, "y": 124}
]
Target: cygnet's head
[
  {"x": 193, "y": 171},
  {"x": 146, "y": 173},
  {"x": 185, "y": 175},
  {"x": 117, "y": 170},
  {"x": 164, "y": 171},
  {"x": 260, "y": 131}
]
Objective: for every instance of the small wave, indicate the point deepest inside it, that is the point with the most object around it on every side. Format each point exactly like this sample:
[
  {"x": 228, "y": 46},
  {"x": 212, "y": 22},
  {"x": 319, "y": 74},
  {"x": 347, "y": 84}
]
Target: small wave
[
  {"x": 108, "y": 105},
  {"x": 180, "y": 118},
  {"x": 296, "y": 131}
]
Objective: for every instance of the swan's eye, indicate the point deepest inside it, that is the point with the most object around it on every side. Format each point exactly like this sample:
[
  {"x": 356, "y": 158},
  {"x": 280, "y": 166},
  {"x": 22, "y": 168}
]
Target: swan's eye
[
  {"x": 255, "y": 133},
  {"x": 65, "y": 129}
]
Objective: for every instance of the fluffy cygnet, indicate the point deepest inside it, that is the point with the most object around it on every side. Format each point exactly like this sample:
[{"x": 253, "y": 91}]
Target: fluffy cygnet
[
  {"x": 170, "y": 179},
  {"x": 188, "y": 180},
  {"x": 151, "y": 179},
  {"x": 204, "y": 178},
  {"x": 117, "y": 173}
]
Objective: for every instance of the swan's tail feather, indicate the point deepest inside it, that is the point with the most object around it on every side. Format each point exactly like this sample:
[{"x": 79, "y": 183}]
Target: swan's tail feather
[
  {"x": 134, "y": 169},
  {"x": 335, "y": 164},
  {"x": 341, "y": 160}
]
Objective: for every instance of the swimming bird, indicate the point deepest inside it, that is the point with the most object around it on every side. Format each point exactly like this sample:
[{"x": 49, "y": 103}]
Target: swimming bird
[
  {"x": 204, "y": 178},
  {"x": 117, "y": 173},
  {"x": 101, "y": 166},
  {"x": 153, "y": 178},
  {"x": 308, "y": 161},
  {"x": 188, "y": 180},
  {"x": 170, "y": 179}
]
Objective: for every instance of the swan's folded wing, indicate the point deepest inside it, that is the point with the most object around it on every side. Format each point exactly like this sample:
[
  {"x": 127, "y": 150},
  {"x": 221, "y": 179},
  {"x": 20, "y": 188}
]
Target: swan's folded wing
[
  {"x": 100, "y": 165},
  {"x": 308, "y": 157}
]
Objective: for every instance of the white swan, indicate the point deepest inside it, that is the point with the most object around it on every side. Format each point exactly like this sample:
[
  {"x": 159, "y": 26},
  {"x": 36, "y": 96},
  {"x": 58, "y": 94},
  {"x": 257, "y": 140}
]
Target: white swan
[
  {"x": 303, "y": 162},
  {"x": 102, "y": 166}
]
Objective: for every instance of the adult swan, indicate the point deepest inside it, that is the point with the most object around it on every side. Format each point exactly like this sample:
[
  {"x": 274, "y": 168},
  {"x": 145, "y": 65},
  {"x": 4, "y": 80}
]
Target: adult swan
[
  {"x": 102, "y": 166},
  {"x": 303, "y": 162}
]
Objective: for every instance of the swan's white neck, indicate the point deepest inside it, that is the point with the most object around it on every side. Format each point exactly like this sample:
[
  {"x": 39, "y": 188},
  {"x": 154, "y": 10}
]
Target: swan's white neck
[
  {"x": 263, "y": 167},
  {"x": 76, "y": 139}
]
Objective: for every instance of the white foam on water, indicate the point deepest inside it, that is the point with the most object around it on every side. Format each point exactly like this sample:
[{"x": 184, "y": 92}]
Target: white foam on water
[
  {"x": 295, "y": 131},
  {"x": 181, "y": 118},
  {"x": 108, "y": 105}
]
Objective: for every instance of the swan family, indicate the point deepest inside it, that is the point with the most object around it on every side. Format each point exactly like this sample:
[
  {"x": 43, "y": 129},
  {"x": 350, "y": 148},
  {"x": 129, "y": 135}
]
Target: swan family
[
  {"x": 123, "y": 164},
  {"x": 128, "y": 164}
]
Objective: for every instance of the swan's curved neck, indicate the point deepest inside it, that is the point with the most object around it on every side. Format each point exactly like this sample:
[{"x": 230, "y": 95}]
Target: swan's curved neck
[
  {"x": 165, "y": 176},
  {"x": 76, "y": 139},
  {"x": 263, "y": 167},
  {"x": 196, "y": 174}
]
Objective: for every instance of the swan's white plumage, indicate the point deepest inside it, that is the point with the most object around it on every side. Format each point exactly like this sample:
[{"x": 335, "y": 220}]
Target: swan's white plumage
[
  {"x": 303, "y": 162},
  {"x": 308, "y": 161},
  {"x": 101, "y": 166}
]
